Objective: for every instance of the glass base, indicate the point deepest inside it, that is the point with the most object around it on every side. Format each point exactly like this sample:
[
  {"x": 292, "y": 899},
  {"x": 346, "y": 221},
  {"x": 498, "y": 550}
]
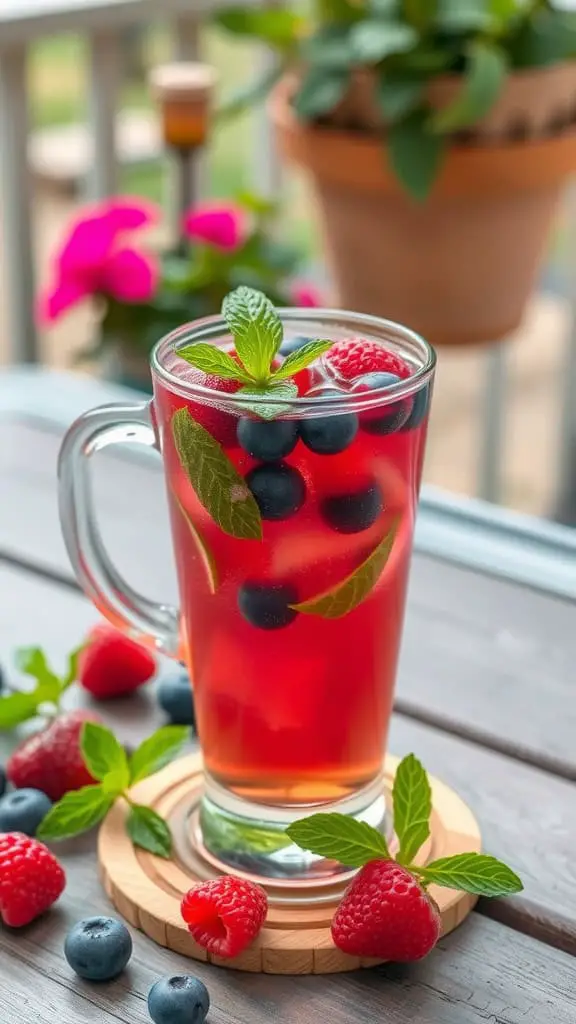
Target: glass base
[{"x": 250, "y": 837}]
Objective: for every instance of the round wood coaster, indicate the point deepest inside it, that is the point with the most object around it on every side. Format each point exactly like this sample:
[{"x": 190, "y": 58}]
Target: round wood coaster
[{"x": 147, "y": 890}]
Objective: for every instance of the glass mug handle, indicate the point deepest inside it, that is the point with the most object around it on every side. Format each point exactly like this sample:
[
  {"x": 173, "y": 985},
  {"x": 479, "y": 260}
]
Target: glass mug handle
[{"x": 101, "y": 582}]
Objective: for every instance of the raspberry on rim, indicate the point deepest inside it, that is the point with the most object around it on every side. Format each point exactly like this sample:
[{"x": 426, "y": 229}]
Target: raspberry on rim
[
  {"x": 224, "y": 915},
  {"x": 355, "y": 357}
]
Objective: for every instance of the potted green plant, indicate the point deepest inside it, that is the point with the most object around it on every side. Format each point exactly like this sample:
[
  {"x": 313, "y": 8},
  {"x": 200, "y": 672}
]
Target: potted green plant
[
  {"x": 141, "y": 295},
  {"x": 437, "y": 134}
]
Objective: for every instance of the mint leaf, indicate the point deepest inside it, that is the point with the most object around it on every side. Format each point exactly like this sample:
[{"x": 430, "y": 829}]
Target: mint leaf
[
  {"x": 204, "y": 551},
  {"x": 215, "y": 479},
  {"x": 76, "y": 812},
  {"x": 33, "y": 662},
  {"x": 373, "y": 39},
  {"x": 283, "y": 389},
  {"x": 472, "y": 872},
  {"x": 213, "y": 360},
  {"x": 20, "y": 707},
  {"x": 149, "y": 831},
  {"x": 115, "y": 782},
  {"x": 343, "y": 597},
  {"x": 397, "y": 96},
  {"x": 340, "y": 838},
  {"x": 157, "y": 751},
  {"x": 255, "y": 327},
  {"x": 101, "y": 751},
  {"x": 412, "y": 799},
  {"x": 482, "y": 82},
  {"x": 71, "y": 673},
  {"x": 299, "y": 360}
]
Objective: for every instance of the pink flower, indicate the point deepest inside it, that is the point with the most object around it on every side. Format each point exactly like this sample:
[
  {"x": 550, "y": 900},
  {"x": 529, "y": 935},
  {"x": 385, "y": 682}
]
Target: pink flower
[
  {"x": 95, "y": 259},
  {"x": 305, "y": 294},
  {"x": 223, "y": 225}
]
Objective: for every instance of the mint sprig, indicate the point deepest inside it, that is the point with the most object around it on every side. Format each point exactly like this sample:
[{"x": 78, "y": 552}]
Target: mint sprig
[
  {"x": 258, "y": 333},
  {"x": 106, "y": 759},
  {"x": 22, "y": 705},
  {"x": 355, "y": 843}
]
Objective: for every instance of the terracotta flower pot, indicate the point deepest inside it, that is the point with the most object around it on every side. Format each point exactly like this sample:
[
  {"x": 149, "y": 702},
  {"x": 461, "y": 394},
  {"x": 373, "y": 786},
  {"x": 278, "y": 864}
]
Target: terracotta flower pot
[{"x": 460, "y": 267}]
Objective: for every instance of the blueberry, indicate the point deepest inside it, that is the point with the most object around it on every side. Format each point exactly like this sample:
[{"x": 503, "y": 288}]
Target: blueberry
[
  {"x": 392, "y": 417},
  {"x": 267, "y": 605},
  {"x": 290, "y": 345},
  {"x": 175, "y": 697},
  {"x": 352, "y": 513},
  {"x": 328, "y": 435},
  {"x": 267, "y": 441},
  {"x": 421, "y": 402},
  {"x": 279, "y": 490},
  {"x": 98, "y": 948},
  {"x": 182, "y": 999},
  {"x": 23, "y": 810},
  {"x": 3, "y": 781}
]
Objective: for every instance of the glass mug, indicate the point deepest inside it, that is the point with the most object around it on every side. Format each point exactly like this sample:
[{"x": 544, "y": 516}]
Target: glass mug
[{"x": 292, "y": 575}]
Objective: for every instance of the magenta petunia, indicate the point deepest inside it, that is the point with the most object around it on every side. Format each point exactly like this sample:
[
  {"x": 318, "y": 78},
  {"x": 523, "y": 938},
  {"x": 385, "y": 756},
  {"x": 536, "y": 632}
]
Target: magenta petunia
[
  {"x": 97, "y": 259},
  {"x": 305, "y": 294},
  {"x": 223, "y": 225}
]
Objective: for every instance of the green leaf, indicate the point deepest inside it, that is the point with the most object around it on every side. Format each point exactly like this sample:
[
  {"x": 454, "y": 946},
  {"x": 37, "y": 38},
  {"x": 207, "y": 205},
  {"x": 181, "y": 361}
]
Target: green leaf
[
  {"x": 473, "y": 872},
  {"x": 71, "y": 673},
  {"x": 355, "y": 588},
  {"x": 320, "y": 91},
  {"x": 279, "y": 27},
  {"x": 19, "y": 707},
  {"x": 249, "y": 95},
  {"x": 216, "y": 481},
  {"x": 416, "y": 154},
  {"x": 485, "y": 74},
  {"x": 372, "y": 40},
  {"x": 206, "y": 555},
  {"x": 255, "y": 327},
  {"x": 262, "y": 206},
  {"x": 420, "y": 13},
  {"x": 114, "y": 783},
  {"x": 385, "y": 7},
  {"x": 351, "y": 842},
  {"x": 101, "y": 751},
  {"x": 412, "y": 808},
  {"x": 157, "y": 751},
  {"x": 33, "y": 662},
  {"x": 397, "y": 96},
  {"x": 76, "y": 812},
  {"x": 330, "y": 47},
  {"x": 547, "y": 38},
  {"x": 149, "y": 831},
  {"x": 463, "y": 16},
  {"x": 213, "y": 360},
  {"x": 299, "y": 360},
  {"x": 282, "y": 389}
]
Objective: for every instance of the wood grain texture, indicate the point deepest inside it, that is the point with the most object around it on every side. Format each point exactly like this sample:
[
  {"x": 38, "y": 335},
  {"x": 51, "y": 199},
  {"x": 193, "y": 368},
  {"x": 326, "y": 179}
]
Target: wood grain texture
[
  {"x": 148, "y": 891},
  {"x": 480, "y": 656}
]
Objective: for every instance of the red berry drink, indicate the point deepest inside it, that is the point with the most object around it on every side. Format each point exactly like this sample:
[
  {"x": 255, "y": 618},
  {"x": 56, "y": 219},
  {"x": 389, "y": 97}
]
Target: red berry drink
[{"x": 292, "y": 529}]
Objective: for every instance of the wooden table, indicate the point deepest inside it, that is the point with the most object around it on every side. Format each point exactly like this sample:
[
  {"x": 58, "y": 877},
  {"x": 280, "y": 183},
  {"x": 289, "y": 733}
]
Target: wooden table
[{"x": 486, "y": 698}]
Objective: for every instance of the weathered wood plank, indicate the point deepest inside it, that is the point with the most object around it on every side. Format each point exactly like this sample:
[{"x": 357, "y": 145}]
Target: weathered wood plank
[{"x": 481, "y": 656}]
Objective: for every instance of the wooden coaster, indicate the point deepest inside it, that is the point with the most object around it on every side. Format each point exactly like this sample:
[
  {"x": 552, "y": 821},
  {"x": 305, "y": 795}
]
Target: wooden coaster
[{"x": 147, "y": 890}]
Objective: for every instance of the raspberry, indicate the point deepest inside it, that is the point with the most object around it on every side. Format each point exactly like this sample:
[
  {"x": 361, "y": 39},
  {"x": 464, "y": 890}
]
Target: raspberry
[
  {"x": 385, "y": 913},
  {"x": 51, "y": 760},
  {"x": 225, "y": 914},
  {"x": 354, "y": 357},
  {"x": 220, "y": 424},
  {"x": 31, "y": 879},
  {"x": 112, "y": 665}
]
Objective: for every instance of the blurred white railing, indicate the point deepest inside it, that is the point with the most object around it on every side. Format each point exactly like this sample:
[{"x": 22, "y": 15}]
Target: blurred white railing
[{"x": 102, "y": 23}]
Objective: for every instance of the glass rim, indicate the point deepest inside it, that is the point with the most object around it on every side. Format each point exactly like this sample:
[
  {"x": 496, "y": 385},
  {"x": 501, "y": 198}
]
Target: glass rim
[{"x": 360, "y": 401}]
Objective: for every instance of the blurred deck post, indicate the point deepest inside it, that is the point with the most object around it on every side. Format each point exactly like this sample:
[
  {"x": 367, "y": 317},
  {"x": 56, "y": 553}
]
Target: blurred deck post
[
  {"x": 16, "y": 201},
  {"x": 105, "y": 75},
  {"x": 490, "y": 461},
  {"x": 564, "y": 510}
]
